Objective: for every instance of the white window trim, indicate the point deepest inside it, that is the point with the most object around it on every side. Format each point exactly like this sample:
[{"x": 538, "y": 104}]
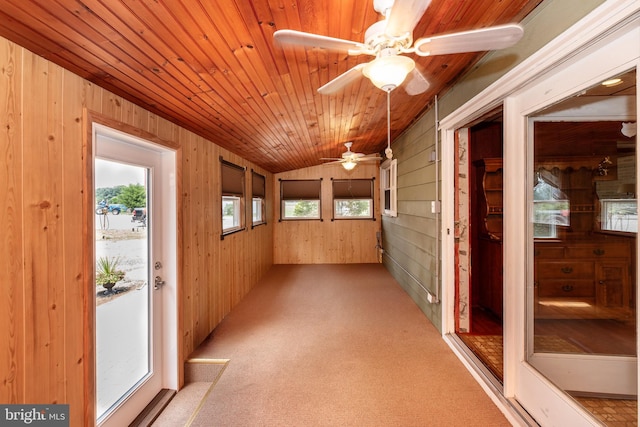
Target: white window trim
[
  {"x": 237, "y": 214},
  {"x": 261, "y": 211},
  {"x": 389, "y": 181}
]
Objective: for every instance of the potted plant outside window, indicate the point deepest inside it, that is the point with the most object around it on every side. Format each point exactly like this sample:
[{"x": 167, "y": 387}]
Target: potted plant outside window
[{"x": 107, "y": 272}]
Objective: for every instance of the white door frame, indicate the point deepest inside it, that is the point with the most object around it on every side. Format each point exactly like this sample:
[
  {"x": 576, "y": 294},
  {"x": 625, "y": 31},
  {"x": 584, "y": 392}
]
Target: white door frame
[
  {"x": 573, "y": 45},
  {"x": 163, "y": 189}
]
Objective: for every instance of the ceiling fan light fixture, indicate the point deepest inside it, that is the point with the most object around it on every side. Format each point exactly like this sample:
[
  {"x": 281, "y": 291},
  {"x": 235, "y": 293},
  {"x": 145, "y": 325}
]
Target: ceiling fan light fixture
[
  {"x": 389, "y": 70},
  {"x": 349, "y": 164}
]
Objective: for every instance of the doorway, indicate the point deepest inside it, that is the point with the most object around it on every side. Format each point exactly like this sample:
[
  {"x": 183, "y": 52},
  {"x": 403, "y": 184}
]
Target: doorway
[
  {"x": 135, "y": 261},
  {"x": 479, "y": 194}
]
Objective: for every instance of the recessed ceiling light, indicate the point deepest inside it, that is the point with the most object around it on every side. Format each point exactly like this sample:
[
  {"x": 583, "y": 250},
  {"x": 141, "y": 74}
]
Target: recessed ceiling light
[{"x": 611, "y": 82}]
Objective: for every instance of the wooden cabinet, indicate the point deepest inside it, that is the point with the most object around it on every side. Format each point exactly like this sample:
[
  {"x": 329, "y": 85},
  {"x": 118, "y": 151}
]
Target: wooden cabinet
[
  {"x": 583, "y": 279},
  {"x": 489, "y": 182}
]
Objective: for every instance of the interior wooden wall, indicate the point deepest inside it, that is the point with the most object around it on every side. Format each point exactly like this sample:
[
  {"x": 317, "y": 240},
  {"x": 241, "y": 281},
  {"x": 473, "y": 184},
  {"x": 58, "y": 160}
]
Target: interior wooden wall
[
  {"x": 327, "y": 242},
  {"x": 43, "y": 282},
  {"x": 217, "y": 273}
]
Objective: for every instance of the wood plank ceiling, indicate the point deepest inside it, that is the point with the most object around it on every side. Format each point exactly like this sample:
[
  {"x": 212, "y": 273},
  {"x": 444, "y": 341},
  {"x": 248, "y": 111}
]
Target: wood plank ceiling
[{"x": 211, "y": 66}]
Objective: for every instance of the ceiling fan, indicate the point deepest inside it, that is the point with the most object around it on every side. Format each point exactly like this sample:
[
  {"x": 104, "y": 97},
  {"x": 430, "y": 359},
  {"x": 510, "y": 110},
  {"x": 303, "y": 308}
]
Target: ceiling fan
[
  {"x": 349, "y": 159},
  {"x": 391, "y": 37}
]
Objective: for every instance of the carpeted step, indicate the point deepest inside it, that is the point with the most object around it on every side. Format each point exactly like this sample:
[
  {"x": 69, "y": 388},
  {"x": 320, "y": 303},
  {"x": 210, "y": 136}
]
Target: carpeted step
[
  {"x": 200, "y": 376},
  {"x": 207, "y": 370},
  {"x": 184, "y": 406}
]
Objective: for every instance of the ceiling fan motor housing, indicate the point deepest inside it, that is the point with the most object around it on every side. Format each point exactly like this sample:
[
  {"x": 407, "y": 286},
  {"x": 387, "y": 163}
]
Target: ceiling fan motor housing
[{"x": 377, "y": 40}]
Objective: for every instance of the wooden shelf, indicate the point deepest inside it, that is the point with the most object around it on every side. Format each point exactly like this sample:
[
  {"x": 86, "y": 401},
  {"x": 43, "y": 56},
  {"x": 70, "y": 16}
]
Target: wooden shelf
[{"x": 489, "y": 179}]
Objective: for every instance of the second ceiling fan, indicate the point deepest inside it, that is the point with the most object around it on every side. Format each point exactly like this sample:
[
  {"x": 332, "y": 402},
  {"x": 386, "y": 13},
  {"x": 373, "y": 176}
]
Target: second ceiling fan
[{"x": 392, "y": 37}]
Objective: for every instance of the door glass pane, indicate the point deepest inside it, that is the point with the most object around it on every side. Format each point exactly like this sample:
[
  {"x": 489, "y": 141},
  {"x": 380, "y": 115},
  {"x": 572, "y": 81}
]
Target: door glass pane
[
  {"x": 122, "y": 278},
  {"x": 584, "y": 223}
]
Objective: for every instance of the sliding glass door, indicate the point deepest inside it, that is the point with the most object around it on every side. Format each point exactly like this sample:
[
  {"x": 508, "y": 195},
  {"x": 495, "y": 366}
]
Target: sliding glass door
[{"x": 578, "y": 237}]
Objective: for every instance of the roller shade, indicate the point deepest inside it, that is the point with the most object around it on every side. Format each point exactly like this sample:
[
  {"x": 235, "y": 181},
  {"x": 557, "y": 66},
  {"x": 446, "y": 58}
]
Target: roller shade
[
  {"x": 232, "y": 179},
  {"x": 257, "y": 185},
  {"x": 300, "y": 189},
  {"x": 353, "y": 189}
]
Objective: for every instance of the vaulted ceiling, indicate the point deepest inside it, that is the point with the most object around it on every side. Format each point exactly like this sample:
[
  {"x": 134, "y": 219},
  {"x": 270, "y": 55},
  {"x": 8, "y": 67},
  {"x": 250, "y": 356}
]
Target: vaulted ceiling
[{"x": 212, "y": 66}]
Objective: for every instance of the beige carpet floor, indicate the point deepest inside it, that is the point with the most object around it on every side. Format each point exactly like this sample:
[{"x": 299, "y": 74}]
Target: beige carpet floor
[{"x": 337, "y": 345}]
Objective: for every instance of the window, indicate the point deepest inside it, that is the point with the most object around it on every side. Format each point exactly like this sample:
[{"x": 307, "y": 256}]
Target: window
[
  {"x": 300, "y": 199},
  {"x": 388, "y": 187},
  {"x": 257, "y": 199},
  {"x": 232, "y": 178},
  {"x": 551, "y": 207},
  {"x": 619, "y": 215},
  {"x": 353, "y": 199}
]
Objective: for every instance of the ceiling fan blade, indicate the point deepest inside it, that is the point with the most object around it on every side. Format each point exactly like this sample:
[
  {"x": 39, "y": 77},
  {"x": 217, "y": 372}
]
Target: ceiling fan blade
[
  {"x": 342, "y": 81},
  {"x": 331, "y": 158},
  {"x": 300, "y": 38},
  {"x": 416, "y": 83},
  {"x": 490, "y": 38},
  {"x": 404, "y": 16},
  {"x": 369, "y": 159}
]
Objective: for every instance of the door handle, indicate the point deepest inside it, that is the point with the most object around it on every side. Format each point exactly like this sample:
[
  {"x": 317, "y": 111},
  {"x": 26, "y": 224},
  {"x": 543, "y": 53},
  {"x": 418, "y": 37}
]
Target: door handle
[{"x": 158, "y": 282}]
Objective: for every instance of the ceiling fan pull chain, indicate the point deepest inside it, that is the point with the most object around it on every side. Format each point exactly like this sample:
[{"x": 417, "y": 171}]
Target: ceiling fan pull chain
[{"x": 388, "y": 151}]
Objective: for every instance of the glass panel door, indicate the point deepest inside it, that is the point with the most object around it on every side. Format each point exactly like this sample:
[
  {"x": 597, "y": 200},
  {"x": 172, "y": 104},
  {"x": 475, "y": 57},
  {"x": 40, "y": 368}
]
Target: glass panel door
[
  {"x": 132, "y": 220},
  {"x": 122, "y": 282},
  {"x": 583, "y": 234}
]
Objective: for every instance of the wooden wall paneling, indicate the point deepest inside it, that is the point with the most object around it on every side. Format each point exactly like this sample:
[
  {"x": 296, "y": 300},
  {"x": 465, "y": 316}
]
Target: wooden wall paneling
[
  {"x": 74, "y": 201},
  {"x": 201, "y": 322},
  {"x": 111, "y": 106},
  {"x": 187, "y": 202},
  {"x": 47, "y": 342},
  {"x": 41, "y": 200},
  {"x": 52, "y": 199},
  {"x": 218, "y": 279},
  {"x": 12, "y": 315},
  {"x": 135, "y": 116},
  {"x": 91, "y": 96},
  {"x": 211, "y": 223},
  {"x": 166, "y": 130},
  {"x": 340, "y": 241},
  {"x": 197, "y": 236}
]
